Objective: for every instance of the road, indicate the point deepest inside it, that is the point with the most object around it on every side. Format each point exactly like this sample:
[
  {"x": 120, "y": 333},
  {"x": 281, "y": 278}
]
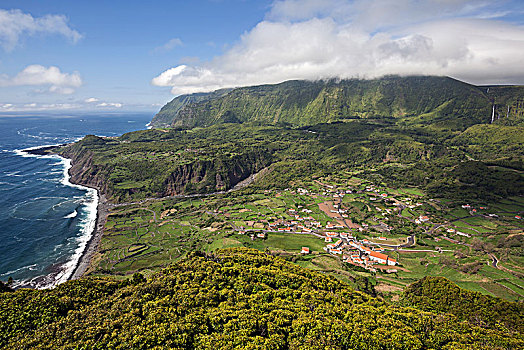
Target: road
[{"x": 495, "y": 261}]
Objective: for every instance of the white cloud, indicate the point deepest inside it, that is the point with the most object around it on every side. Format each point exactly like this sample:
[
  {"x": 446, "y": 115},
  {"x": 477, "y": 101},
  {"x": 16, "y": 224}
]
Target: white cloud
[
  {"x": 7, "y": 107},
  {"x": 61, "y": 90},
  {"x": 10, "y": 107},
  {"x": 110, "y": 104},
  {"x": 314, "y": 39},
  {"x": 58, "y": 106},
  {"x": 37, "y": 75},
  {"x": 170, "y": 45},
  {"x": 93, "y": 100},
  {"x": 15, "y": 24}
]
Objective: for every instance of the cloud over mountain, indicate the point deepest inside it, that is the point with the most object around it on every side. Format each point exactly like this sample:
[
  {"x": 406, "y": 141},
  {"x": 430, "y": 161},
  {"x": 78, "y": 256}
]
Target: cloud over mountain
[{"x": 313, "y": 39}]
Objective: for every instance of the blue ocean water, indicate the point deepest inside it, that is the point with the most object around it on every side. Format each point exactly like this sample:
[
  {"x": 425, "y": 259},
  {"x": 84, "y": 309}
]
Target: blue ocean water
[{"x": 44, "y": 220}]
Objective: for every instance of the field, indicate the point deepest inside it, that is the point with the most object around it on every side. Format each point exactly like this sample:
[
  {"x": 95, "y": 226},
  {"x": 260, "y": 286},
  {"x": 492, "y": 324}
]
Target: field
[{"x": 147, "y": 236}]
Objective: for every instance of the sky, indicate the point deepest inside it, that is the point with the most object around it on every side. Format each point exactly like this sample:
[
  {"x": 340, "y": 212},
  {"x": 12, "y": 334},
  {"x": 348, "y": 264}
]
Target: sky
[{"x": 137, "y": 55}]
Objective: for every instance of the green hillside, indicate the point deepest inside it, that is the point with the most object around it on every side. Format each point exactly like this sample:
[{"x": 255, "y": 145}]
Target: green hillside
[
  {"x": 164, "y": 117},
  {"x": 483, "y": 162},
  {"x": 232, "y": 299},
  {"x": 442, "y": 101}
]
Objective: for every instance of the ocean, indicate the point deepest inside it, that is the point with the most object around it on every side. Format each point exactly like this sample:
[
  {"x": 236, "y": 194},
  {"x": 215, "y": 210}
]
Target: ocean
[{"x": 45, "y": 221}]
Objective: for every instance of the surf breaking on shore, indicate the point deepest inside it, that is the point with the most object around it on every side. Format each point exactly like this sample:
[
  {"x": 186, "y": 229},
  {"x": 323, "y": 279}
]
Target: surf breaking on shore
[{"x": 64, "y": 271}]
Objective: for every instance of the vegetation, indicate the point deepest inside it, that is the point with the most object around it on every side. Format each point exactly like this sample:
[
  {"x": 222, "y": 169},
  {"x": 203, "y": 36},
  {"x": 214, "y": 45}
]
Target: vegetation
[
  {"x": 230, "y": 299},
  {"x": 442, "y": 101},
  {"x": 147, "y": 236},
  {"x": 164, "y": 117},
  {"x": 158, "y": 163},
  {"x": 439, "y": 295},
  {"x": 201, "y": 210}
]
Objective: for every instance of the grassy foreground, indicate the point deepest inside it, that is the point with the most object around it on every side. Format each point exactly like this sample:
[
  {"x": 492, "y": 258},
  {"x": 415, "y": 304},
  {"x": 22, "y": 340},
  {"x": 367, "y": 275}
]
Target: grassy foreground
[{"x": 237, "y": 298}]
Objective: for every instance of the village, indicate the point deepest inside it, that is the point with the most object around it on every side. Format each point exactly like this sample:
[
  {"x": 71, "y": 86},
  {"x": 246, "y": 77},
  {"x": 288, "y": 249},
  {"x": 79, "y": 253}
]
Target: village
[
  {"x": 345, "y": 226},
  {"x": 339, "y": 232},
  {"x": 368, "y": 243}
]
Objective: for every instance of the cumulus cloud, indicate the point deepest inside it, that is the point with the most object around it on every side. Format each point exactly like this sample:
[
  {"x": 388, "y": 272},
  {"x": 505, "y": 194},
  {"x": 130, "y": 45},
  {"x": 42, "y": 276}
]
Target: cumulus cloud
[
  {"x": 37, "y": 75},
  {"x": 91, "y": 100},
  {"x": 15, "y": 24},
  {"x": 314, "y": 39},
  {"x": 170, "y": 45}
]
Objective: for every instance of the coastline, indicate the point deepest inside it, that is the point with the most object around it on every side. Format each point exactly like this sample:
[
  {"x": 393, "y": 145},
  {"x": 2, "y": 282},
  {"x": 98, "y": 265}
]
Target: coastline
[
  {"x": 89, "y": 240},
  {"x": 92, "y": 245}
]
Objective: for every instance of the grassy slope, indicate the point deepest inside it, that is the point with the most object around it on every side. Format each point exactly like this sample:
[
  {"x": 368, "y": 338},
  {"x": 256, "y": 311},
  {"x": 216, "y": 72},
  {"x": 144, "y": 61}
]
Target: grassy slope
[
  {"x": 437, "y": 294},
  {"x": 164, "y": 117}
]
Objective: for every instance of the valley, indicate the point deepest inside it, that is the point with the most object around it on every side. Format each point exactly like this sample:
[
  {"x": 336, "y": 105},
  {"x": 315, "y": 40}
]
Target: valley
[
  {"x": 336, "y": 214},
  {"x": 340, "y": 222},
  {"x": 378, "y": 202}
]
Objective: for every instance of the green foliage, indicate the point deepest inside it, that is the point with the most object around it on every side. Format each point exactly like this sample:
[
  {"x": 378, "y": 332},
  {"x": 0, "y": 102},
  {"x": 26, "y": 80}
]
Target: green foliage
[
  {"x": 386, "y": 143},
  {"x": 444, "y": 102},
  {"x": 25, "y": 311},
  {"x": 439, "y": 295},
  {"x": 235, "y": 298},
  {"x": 164, "y": 117},
  {"x": 502, "y": 144}
]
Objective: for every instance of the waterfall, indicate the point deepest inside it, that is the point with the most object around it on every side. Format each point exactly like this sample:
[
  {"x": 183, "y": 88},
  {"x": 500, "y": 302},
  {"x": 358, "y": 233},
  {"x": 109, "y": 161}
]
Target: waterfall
[{"x": 493, "y": 114}]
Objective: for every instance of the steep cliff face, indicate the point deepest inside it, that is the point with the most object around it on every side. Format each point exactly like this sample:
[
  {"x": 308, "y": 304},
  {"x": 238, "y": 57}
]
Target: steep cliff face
[
  {"x": 125, "y": 180},
  {"x": 84, "y": 172},
  {"x": 220, "y": 174},
  {"x": 414, "y": 100},
  {"x": 165, "y": 116},
  {"x": 419, "y": 100}
]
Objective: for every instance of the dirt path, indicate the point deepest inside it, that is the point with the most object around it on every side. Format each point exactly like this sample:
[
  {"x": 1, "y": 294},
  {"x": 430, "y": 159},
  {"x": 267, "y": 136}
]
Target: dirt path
[{"x": 326, "y": 207}]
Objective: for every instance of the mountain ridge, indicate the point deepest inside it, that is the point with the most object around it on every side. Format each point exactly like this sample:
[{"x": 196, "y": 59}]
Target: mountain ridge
[{"x": 443, "y": 101}]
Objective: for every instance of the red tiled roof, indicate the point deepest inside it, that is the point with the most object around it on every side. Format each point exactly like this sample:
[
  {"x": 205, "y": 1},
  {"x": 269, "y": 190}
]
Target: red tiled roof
[{"x": 380, "y": 255}]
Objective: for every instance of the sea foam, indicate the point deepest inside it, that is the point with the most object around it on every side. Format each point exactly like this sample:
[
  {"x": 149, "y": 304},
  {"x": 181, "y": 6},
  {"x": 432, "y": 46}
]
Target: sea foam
[
  {"x": 72, "y": 215},
  {"x": 87, "y": 224}
]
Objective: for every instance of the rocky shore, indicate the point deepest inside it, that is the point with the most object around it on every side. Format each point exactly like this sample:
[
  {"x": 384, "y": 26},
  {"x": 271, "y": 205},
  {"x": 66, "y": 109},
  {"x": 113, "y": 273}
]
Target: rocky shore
[
  {"x": 43, "y": 151},
  {"x": 83, "y": 264}
]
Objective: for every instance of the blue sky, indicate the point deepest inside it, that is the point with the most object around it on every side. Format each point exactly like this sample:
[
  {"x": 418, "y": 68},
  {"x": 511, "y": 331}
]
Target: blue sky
[
  {"x": 121, "y": 46},
  {"x": 137, "y": 55}
]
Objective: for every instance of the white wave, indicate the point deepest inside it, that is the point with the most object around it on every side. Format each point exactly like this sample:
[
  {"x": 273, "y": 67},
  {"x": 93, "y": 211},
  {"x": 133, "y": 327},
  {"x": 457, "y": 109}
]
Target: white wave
[
  {"x": 149, "y": 126},
  {"x": 58, "y": 246},
  {"x": 28, "y": 267},
  {"x": 25, "y": 154},
  {"x": 13, "y": 173},
  {"x": 87, "y": 226}
]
